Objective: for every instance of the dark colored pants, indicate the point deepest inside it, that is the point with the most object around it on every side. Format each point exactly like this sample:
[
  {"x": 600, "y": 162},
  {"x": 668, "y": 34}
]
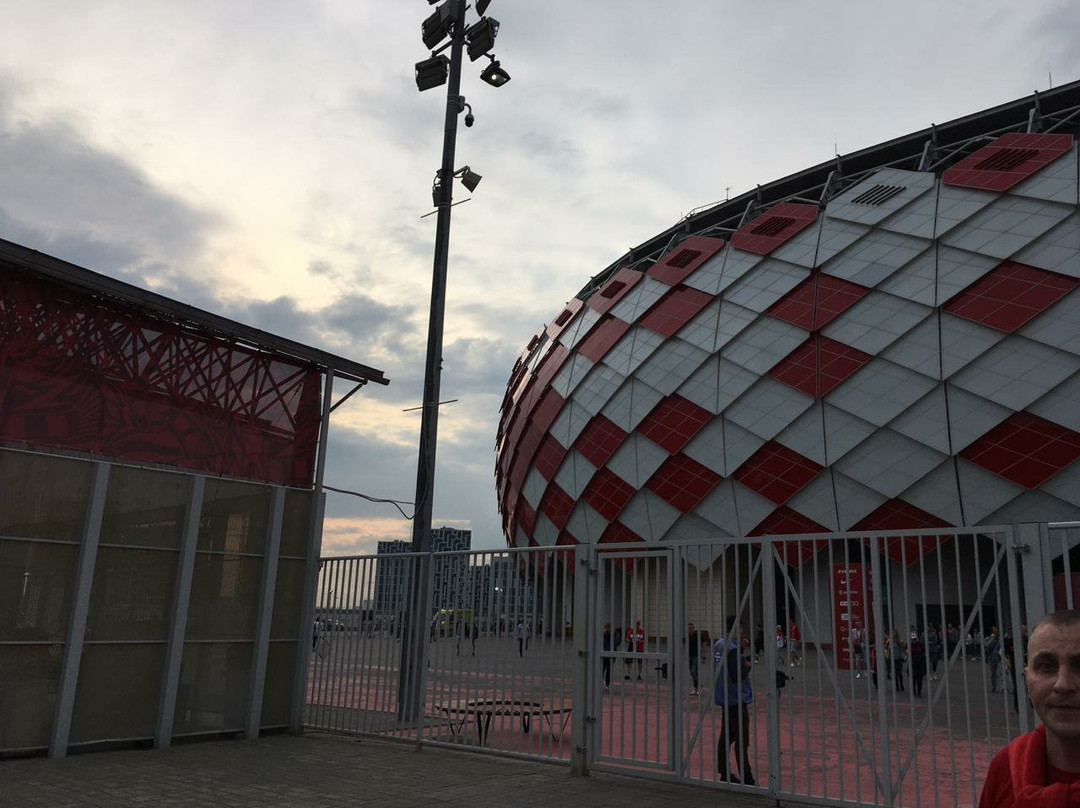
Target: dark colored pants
[
  {"x": 607, "y": 671},
  {"x": 735, "y": 731},
  {"x": 694, "y": 671}
]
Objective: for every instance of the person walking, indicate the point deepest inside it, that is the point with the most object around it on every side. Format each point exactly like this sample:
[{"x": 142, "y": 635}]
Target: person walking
[
  {"x": 992, "y": 648},
  {"x": 693, "y": 648},
  {"x": 858, "y": 649},
  {"x": 794, "y": 639},
  {"x": 459, "y": 634},
  {"x": 519, "y": 632},
  {"x": 898, "y": 658},
  {"x": 933, "y": 646},
  {"x": 781, "y": 643},
  {"x": 759, "y": 642},
  {"x": 635, "y": 641},
  {"x": 610, "y": 642},
  {"x": 917, "y": 658},
  {"x": 733, "y": 693}
]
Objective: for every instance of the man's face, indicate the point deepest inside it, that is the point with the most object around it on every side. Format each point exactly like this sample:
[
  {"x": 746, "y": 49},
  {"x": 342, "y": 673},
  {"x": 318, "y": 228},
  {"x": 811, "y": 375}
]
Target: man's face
[
  {"x": 691, "y": 627},
  {"x": 1053, "y": 678}
]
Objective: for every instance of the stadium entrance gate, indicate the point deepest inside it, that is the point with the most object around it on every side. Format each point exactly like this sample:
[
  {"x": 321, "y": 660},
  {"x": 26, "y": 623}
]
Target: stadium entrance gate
[{"x": 882, "y": 665}]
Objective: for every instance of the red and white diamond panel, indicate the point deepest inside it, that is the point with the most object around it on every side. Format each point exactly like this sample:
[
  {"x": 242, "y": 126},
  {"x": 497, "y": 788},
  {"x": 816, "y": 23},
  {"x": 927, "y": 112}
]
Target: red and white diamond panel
[{"x": 906, "y": 357}]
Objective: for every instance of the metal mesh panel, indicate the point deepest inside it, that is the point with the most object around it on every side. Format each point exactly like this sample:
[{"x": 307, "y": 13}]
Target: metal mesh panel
[
  {"x": 224, "y": 597},
  {"x": 296, "y": 524},
  {"x": 132, "y": 594},
  {"x": 277, "y": 690},
  {"x": 144, "y": 508},
  {"x": 234, "y": 517},
  {"x": 118, "y": 692},
  {"x": 42, "y": 497},
  {"x": 28, "y": 684},
  {"x": 35, "y": 590},
  {"x": 214, "y": 684},
  {"x": 288, "y": 594}
]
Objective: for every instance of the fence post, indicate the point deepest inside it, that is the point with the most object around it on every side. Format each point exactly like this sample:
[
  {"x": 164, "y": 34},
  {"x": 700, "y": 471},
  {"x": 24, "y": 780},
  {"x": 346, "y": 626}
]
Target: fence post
[
  {"x": 579, "y": 734},
  {"x": 265, "y": 614},
  {"x": 879, "y": 653},
  {"x": 676, "y": 655},
  {"x": 772, "y": 707}
]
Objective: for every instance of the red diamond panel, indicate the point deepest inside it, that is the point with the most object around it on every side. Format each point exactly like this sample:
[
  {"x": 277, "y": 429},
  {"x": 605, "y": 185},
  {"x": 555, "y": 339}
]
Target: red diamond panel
[
  {"x": 1010, "y": 295},
  {"x": 1008, "y": 160},
  {"x": 1025, "y": 448},
  {"x": 777, "y": 472},
  {"x": 603, "y": 337},
  {"x": 681, "y": 262},
  {"x": 599, "y": 440},
  {"x": 614, "y": 289},
  {"x": 559, "y": 324},
  {"x": 673, "y": 422},
  {"x": 556, "y": 505},
  {"x": 786, "y": 522},
  {"x": 899, "y": 515},
  {"x": 683, "y": 482},
  {"x": 547, "y": 410},
  {"x": 818, "y": 300},
  {"x": 526, "y": 516},
  {"x": 674, "y": 310},
  {"x": 770, "y": 230},
  {"x": 608, "y": 493},
  {"x": 818, "y": 365},
  {"x": 549, "y": 457},
  {"x": 618, "y": 533}
]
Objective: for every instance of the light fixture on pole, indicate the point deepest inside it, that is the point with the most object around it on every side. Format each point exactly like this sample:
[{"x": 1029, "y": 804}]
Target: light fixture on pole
[
  {"x": 436, "y": 28},
  {"x": 469, "y": 178},
  {"x": 432, "y": 72},
  {"x": 481, "y": 37},
  {"x": 447, "y": 21},
  {"x": 493, "y": 74}
]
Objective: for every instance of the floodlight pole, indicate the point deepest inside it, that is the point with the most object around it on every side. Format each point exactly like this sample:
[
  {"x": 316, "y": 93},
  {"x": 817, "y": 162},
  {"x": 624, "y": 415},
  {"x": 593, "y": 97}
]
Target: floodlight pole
[{"x": 415, "y": 639}]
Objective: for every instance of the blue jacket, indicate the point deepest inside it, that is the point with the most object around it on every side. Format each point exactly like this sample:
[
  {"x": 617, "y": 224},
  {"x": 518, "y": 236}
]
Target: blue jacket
[{"x": 727, "y": 689}]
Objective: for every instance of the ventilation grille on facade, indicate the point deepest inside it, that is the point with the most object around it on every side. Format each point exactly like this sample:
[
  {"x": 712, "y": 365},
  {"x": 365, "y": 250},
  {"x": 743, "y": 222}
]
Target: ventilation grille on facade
[
  {"x": 613, "y": 289},
  {"x": 773, "y": 227},
  {"x": 682, "y": 258},
  {"x": 1006, "y": 159},
  {"x": 878, "y": 195}
]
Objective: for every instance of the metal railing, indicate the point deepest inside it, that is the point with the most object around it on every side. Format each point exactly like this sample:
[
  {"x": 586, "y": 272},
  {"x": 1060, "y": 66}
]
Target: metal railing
[{"x": 874, "y": 668}]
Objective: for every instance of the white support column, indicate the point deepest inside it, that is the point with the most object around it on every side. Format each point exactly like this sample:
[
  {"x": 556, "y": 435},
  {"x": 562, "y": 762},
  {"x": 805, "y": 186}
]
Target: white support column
[
  {"x": 80, "y": 605},
  {"x": 265, "y": 614},
  {"x": 185, "y": 566}
]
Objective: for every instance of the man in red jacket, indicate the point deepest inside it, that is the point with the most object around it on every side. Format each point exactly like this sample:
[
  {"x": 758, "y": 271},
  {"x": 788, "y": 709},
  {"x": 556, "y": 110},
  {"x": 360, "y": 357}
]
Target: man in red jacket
[{"x": 1041, "y": 769}]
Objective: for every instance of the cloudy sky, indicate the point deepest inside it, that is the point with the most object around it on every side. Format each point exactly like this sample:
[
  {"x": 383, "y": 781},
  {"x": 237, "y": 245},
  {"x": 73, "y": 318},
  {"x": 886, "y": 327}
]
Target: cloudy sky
[{"x": 270, "y": 161}]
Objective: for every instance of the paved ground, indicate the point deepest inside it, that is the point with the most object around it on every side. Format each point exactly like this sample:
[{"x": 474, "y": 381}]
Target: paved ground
[{"x": 321, "y": 770}]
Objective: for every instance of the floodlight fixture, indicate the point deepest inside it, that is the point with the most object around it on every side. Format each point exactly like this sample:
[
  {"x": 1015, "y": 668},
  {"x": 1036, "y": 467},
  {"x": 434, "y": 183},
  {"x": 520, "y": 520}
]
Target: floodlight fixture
[
  {"x": 469, "y": 178},
  {"x": 436, "y": 28},
  {"x": 432, "y": 72},
  {"x": 494, "y": 75},
  {"x": 481, "y": 37},
  {"x": 481, "y": 6}
]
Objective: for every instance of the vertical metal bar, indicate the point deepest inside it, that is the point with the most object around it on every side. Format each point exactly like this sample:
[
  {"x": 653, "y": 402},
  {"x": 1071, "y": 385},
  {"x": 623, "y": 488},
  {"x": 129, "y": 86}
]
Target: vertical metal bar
[
  {"x": 265, "y": 613},
  {"x": 174, "y": 651},
  {"x": 772, "y": 708},
  {"x": 360, "y": 646},
  {"x": 80, "y": 606},
  {"x": 676, "y": 656},
  {"x": 1030, "y": 540},
  {"x": 879, "y": 650},
  {"x": 421, "y": 662},
  {"x": 307, "y": 602}
]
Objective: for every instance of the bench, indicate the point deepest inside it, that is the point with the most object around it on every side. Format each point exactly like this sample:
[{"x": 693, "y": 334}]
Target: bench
[{"x": 460, "y": 710}]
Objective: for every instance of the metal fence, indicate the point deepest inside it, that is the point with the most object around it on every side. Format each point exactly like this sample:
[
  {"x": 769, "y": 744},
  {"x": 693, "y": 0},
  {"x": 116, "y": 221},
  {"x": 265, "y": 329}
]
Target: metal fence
[{"x": 875, "y": 668}]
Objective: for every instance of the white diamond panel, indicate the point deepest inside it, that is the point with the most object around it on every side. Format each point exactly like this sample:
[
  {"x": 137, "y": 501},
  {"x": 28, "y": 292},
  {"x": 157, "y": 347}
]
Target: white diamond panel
[
  {"x": 671, "y": 364},
  {"x": 574, "y": 474},
  {"x": 1006, "y": 226},
  {"x": 628, "y": 407},
  {"x": 765, "y": 343},
  {"x": 879, "y": 391},
  {"x": 639, "y": 299},
  {"x": 766, "y": 284},
  {"x": 889, "y": 462},
  {"x": 875, "y": 322},
  {"x": 716, "y": 325},
  {"x": 648, "y": 515},
  {"x": 716, "y": 276},
  {"x": 768, "y": 407},
  {"x": 1016, "y": 372},
  {"x": 637, "y": 459},
  {"x": 914, "y": 183},
  {"x": 1058, "y": 250},
  {"x": 716, "y": 384},
  {"x": 875, "y": 257},
  {"x": 636, "y": 345}
]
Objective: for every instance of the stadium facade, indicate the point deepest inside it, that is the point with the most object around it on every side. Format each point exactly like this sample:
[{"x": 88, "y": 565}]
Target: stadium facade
[{"x": 889, "y": 340}]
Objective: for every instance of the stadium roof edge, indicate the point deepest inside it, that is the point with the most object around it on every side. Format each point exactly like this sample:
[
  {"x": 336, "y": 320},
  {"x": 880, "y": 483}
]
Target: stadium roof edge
[
  {"x": 204, "y": 322},
  {"x": 1057, "y": 100}
]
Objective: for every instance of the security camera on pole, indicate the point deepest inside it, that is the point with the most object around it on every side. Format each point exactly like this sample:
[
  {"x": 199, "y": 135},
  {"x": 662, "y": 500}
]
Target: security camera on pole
[{"x": 448, "y": 21}]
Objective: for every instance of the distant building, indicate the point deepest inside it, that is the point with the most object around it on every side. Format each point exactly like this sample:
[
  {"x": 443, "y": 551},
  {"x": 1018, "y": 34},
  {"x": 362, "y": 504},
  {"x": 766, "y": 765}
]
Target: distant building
[{"x": 390, "y": 577}]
